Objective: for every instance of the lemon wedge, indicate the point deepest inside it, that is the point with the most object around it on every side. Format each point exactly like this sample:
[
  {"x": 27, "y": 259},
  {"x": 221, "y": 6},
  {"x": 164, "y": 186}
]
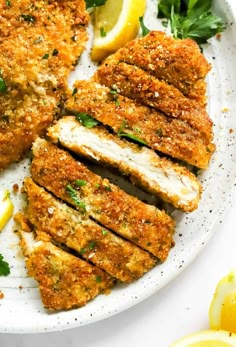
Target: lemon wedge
[
  {"x": 6, "y": 208},
  {"x": 207, "y": 338},
  {"x": 222, "y": 311},
  {"x": 116, "y": 23}
]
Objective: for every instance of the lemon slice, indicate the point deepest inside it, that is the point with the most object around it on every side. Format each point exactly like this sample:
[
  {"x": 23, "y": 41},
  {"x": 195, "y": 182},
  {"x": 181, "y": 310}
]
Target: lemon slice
[
  {"x": 207, "y": 338},
  {"x": 6, "y": 208},
  {"x": 116, "y": 23},
  {"x": 222, "y": 312}
]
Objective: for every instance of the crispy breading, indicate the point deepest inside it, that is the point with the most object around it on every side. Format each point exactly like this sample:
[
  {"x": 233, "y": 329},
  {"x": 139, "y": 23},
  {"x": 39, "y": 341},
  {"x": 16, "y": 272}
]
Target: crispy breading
[
  {"x": 39, "y": 44},
  {"x": 171, "y": 136},
  {"x": 137, "y": 84},
  {"x": 176, "y": 61},
  {"x": 65, "y": 281},
  {"x": 142, "y": 224},
  {"x": 160, "y": 176},
  {"x": 120, "y": 258}
]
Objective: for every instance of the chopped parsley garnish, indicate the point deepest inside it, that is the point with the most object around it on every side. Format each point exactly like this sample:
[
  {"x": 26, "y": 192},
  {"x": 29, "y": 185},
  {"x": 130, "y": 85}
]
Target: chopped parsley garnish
[
  {"x": 45, "y": 56},
  {"x": 144, "y": 29},
  {"x": 191, "y": 18},
  {"x": 98, "y": 279},
  {"x": 8, "y": 3},
  {"x": 74, "y": 91},
  {"x": 127, "y": 135},
  {"x": 92, "y": 245},
  {"x": 94, "y": 3},
  {"x": 83, "y": 250},
  {"x": 28, "y": 18},
  {"x": 55, "y": 52},
  {"x": 3, "y": 86},
  {"x": 86, "y": 120},
  {"x": 103, "y": 32},
  {"x": 4, "y": 267},
  {"x": 80, "y": 183},
  {"x": 38, "y": 40},
  {"x": 159, "y": 132},
  {"x": 108, "y": 188},
  {"x": 73, "y": 194},
  {"x": 104, "y": 232}
]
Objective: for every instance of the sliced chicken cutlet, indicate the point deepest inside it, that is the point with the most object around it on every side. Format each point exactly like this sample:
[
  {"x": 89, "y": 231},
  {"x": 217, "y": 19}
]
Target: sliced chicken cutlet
[
  {"x": 39, "y": 44},
  {"x": 178, "y": 62},
  {"x": 171, "y": 136},
  {"x": 142, "y": 224},
  {"x": 120, "y": 258},
  {"x": 65, "y": 281},
  {"x": 137, "y": 84},
  {"x": 160, "y": 176}
]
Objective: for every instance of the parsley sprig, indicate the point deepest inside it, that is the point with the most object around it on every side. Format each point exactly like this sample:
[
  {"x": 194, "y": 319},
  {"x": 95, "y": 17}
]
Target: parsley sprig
[
  {"x": 4, "y": 267},
  {"x": 191, "y": 18},
  {"x": 73, "y": 195}
]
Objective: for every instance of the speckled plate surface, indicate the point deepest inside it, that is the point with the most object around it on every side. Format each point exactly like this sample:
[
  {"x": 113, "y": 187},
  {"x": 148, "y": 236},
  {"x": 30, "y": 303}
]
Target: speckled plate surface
[{"x": 21, "y": 309}]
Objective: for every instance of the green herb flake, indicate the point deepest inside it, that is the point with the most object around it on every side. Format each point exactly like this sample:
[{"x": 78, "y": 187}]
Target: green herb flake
[
  {"x": 144, "y": 29},
  {"x": 92, "y": 245},
  {"x": 38, "y": 40},
  {"x": 107, "y": 188},
  {"x": 103, "y": 32},
  {"x": 8, "y": 3},
  {"x": 55, "y": 52},
  {"x": 97, "y": 185},
  {"x": 73, "y": 194},
  {"x": 104, "y": 232},
  {"x": 3, "y": 85},
  {"x": 80, "y": 183},
  {"x": 75, "y": 90},
  {"x": 45, "y": 56},
  {"x": 98, "y": 279},
  {"x": 94, "y": 3},
  {"x": 4, "y": 267},
  {"x": 159, "y": 132},
  {"x": 86, "y": 120},
  {"x": 83, "y": 250},
  {"x": 28, "y": 18}
]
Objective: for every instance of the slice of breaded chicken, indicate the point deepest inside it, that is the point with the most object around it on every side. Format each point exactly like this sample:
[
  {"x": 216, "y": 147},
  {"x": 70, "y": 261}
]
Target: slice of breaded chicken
[
  {"x": 171, "y": 136},
  {"x": 137, "y": 84},
  {"x": 160, "y": 176},
  {"x": 65, "y": 281},
  {"x": 142, "y": 224},
  {"x": 178, "y": 62},
  {"x": 39, "y": 44},
  {"x": 121, "y": 259}
]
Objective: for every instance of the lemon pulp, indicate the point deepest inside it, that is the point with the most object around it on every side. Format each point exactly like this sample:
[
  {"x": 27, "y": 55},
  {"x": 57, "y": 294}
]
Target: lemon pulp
[{"x": 115, "y": 23}]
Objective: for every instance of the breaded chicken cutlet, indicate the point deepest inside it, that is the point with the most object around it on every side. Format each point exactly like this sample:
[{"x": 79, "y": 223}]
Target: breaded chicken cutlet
[
  {"x": 121, "y": 259},
  {"x": 178, "y": 62},
  {"x": 139, "y": 85},
  {"x": 144, "y": 225},
  {"x": 168, "y": 135},
  {"x": 65, "y": 281},
  {"x": 40, "y": 43},
  {"x": 160, "y": 176}
]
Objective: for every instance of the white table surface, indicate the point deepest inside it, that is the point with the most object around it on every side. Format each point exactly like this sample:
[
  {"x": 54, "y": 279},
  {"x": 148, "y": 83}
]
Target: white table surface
[{"x": 178, "y": 309}]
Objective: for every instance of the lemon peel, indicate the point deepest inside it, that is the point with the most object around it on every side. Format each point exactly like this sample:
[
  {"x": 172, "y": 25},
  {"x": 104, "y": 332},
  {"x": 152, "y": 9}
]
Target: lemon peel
[
  {"x": 6, "y": 208},
  {"x": 207, "y": 338},
  {"x": 116, "y": 23},
  {"x": 222, "y": 311}
]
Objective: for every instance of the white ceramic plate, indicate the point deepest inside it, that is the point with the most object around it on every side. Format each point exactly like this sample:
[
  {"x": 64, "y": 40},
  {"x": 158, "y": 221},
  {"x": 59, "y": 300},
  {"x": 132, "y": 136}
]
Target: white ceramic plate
[{"x": 21, "y": 309}]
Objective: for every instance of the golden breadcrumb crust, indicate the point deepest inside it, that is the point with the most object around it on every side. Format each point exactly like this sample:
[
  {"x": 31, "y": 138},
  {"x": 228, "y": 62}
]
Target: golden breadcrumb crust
[
  {"x": 142, "y": 224},
  {"x": 40, "y": 42}
]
